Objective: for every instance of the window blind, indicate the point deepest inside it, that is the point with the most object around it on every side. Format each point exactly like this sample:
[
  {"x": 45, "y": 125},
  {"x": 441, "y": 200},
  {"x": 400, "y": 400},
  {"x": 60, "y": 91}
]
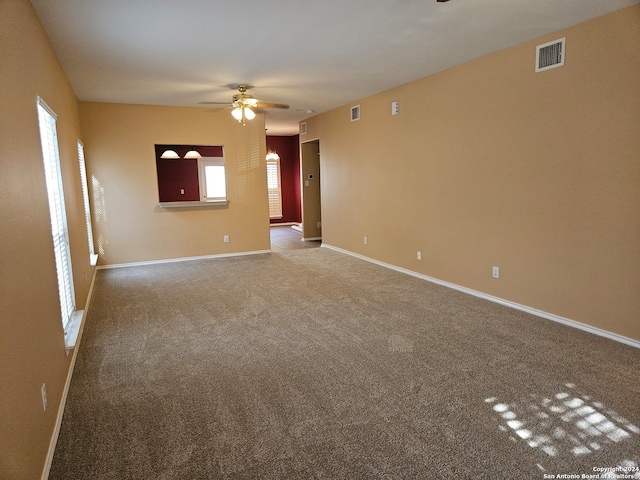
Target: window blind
[
  {"x": 53, "y": 177},
  {"x": 85, "y": 197},
  {"x": 273, "y": 188}
]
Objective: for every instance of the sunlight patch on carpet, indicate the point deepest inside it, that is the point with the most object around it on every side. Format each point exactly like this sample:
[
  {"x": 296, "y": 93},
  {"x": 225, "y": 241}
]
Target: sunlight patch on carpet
[{"x": 568, "y": 422}]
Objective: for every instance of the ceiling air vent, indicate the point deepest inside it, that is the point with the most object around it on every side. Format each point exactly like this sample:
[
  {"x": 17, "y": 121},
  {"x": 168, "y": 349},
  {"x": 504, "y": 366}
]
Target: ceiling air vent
[
  {"x": 303, "y": 128},
  {"x": 355, "y": 113},
  {"x": 550, "y": 55}
]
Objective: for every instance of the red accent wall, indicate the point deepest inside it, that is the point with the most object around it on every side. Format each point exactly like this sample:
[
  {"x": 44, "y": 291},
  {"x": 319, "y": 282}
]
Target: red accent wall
[
  {"x": 288, "y": 147},
  {"x": 175, "y": 176}
]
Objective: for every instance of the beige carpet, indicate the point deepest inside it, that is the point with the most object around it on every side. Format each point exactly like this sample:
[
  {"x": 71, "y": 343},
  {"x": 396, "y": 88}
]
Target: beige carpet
[{"x": 310, "y": 364}]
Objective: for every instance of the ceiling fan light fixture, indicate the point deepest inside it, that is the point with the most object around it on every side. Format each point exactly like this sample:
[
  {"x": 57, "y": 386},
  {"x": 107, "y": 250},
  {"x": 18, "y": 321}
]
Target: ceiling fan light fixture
[
  {"x": 237, "y": 113},
  {"x": 192, "y": 154},
  {"x": 272, "y": 156},
  {"x": 169, "y": 154},
  {"x": 249, "y": 114}
]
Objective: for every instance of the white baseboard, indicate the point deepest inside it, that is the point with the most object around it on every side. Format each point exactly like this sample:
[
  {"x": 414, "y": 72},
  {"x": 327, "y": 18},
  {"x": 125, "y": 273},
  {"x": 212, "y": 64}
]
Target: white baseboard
[
  {"x": 501, "y": 301},
  {"x": 184, "y": 259},
  {"x": 311, "y": 239},
  {"x": 67, "y": 384}
]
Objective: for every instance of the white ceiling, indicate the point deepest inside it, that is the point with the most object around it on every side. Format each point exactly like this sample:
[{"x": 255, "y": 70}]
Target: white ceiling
[{"x": 312, "y": 55}]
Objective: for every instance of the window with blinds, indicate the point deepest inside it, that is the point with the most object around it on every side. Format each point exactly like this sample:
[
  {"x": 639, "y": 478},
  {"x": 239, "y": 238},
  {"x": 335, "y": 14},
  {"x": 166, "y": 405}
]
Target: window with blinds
[
  {"x": 85, "y": 199},
  {"x": 273, "y": 188},
  {"x": 53, "y": 177}
]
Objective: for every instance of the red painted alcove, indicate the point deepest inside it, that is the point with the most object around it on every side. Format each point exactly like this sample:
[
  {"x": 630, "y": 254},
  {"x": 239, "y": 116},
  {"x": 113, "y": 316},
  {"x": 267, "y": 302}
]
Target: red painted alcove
[{"x": 288, "y": 148}]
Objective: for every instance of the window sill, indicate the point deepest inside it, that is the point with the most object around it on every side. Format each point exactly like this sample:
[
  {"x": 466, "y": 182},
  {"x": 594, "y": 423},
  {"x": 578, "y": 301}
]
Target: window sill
[
  {"x": 71, "y": 335},
  {"x": 220, "y": 203}
]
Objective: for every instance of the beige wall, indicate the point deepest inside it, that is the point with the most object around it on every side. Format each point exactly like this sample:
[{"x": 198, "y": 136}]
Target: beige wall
[
  {"x": 311, "y": 202},
  {"x": 129, "y": 226},
  {"x": 32, "y": 350},
  {"x": 492, "y": 164}
]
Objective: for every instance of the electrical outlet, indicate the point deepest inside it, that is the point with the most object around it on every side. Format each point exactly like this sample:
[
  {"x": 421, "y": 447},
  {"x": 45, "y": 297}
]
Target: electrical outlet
[
  {"x": 43, "y": 391},
  {"x": 366, "y": 240},
  {"x": 319, "y": 224},
  {"x": 226, "y": 239},
  {"x": 496, "y": 272},
  {"x": 419, "y": 255}
]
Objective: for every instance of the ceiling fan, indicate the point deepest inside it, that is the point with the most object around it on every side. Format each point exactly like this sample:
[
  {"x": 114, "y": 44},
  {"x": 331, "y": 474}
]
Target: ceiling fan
[{"x": 244, "y": 104}]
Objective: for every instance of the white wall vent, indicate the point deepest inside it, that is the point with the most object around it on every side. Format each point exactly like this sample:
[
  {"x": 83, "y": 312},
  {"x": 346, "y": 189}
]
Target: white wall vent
[
  {"x": 550, "y": 55},
  {"x": 303, "y": 128},
  {"x": 355, "y": 113}
]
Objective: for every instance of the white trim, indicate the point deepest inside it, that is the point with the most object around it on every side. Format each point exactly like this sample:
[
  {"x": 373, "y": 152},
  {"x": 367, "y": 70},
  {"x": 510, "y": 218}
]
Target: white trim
[
  {"x": 82, "y": 166},
  {"x": 183, "y": 259},
  {"x": 73, "y": 330},
  {"x": 534, "y": 311},
  {"x": 44, "y": 105},
  {"x": 67, "y": 384},
  {"x": 203, "y": 163},
  {"x": 207, "y": 203},
  {"x": 311, "y": 239}
]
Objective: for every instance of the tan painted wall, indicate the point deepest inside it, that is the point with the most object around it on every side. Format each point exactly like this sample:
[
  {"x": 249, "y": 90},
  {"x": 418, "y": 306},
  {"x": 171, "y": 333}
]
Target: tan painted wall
[
  {"x": 311, "y": 201},
  {"x": 32, "y": 348},
  {"x": 492, "y": 164},
  {"x": 128, "y": 224}
]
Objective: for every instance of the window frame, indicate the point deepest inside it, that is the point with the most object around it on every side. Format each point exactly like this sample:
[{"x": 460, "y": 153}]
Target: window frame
[
  {"x": 275, "y": 208},
  {"x": 93, "y": 257},
  {"x": 203, "y": 163},
  {"x": 70, "y": 317}
]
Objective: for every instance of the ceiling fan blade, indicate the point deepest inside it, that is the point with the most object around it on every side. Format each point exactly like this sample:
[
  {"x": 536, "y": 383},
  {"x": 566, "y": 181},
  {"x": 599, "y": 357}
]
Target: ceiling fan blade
[
  {"x": 214, "y": 103},
  {"x": 271, "y": 105}
]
